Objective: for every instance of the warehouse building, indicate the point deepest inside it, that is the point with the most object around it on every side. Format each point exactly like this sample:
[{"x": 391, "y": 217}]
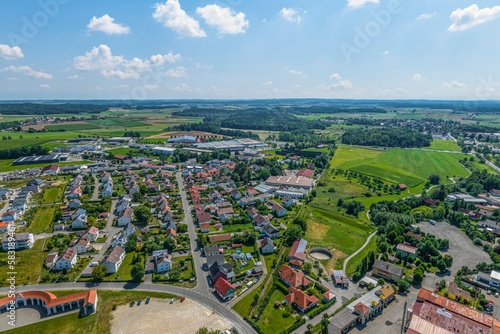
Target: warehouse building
[{"x": 40, "y": 159}]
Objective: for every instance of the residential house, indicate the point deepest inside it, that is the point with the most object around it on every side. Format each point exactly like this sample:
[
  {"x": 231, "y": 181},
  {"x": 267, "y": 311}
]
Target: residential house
[
  {"x": 266, "y": 246},
  {"x": 119, "y": 239},
  {"x": 125, "y": 217},
  {"x": 211, "y": 250},
  {"x": 297, "y": 252},
  {"x": 67, "y": 260},
  {"x": 80, "y": 221},
  {"x": 278, "y": 210},
  {"x": 225, "y": 214},
  {"x": 129, "y": 229},
  {"x": 387, "y": 270},
  {"x": 21, "y": 241},
  {"x": 271, "y": 232},
  {"x": 204, "y": 227},
  {"x": 219, "y": 237},
  {"x": 82, "y": 246},
  {"x": 224, "y": 270},
  {"x": 405, "y": 250},
  {"x": 287, "y": 201},
  {"x": 107, "y": 190},
  {"x": 291, "y": 277},
  {"x": 203, "y": 217},
  {"x": 261, "y": 221},
  {"x": 246, "y": 201},
  {"x": 9, "y": 216},
  {"x": 4, "y": 227},
  {"x": 92, "y": 233},
  {"x": 122, "y": 204},
  {"x": 74, "y": 204},
  {"x": 51, "y": 260},
  {"x": 114, "y": 259},
  {"x": 224, "y": 289},
  {"x": 162, "y": 263},
  {"x": 301, "y": 300},
  {"x": 50, "y": 170}
]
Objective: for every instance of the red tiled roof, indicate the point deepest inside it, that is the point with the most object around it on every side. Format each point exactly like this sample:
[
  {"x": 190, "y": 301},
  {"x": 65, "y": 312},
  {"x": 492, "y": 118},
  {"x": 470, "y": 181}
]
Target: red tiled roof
[
  {"x": 51, "y": 300},
  {"x": 407, "y": 248},
  {"x": 292, "y": 277},
  {"x": 361, "y": 308},
  {"x": 222, "y": 286},
  {"x": 300, "y": 298},
  {"x": 305, "y": 173},
  {"x": 219, "y": 237}
]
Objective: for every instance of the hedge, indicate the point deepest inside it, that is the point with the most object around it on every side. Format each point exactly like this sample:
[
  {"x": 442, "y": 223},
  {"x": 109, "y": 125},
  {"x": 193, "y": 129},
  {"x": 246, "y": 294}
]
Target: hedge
[
  {"x": 314, "y": 312},
  {"x": 296, "y": 325}
]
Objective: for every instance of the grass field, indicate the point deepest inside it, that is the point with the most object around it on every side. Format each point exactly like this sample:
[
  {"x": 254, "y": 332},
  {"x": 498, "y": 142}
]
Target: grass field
[
  {"x": 122, "y": 150},
  {"x": 96, "y": 323},
  {"x": 351, "y": 266},
  {"x": 409, "y": 166},
  {"x": 445, "y": 145},
  {"x": 123, "y": 273},
  {"x": 72, "y": 127},
  {"x": 28, "y": 265},
  {"x": 41, "y": 221},
  {"x": 6, "y": 165},
  {"x": 52, "y": 194},
  {"x": 272, "y": 321}
]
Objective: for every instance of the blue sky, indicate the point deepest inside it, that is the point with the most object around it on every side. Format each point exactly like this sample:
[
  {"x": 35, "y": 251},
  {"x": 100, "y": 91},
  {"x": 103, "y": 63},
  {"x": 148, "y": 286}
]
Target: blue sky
[{"x": 121, "y": 49}]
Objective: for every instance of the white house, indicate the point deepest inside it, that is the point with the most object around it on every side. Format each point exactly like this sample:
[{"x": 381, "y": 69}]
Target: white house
[
  {"x": 18, "y": 241},
  {"x": 125, "y": 217},
  {"x": 278, "y": 210},
  {"x": 271, "y": 231},
  {"x": 92, "y": 233},
  {"x": 79, "y": 222},
  {"x": 122, "y": 204},
  {"x": 107, "y": 190},
  {"x": 67, "y": 260},
  {"x": 119, "y": 239},
  {"x": 267, "y": 246},
  {"x": 129, "y": 229},
  {"x": 82, "y": 246},
  {"x": 163, "y": 263},
  {"x": 114, "y": 259}
]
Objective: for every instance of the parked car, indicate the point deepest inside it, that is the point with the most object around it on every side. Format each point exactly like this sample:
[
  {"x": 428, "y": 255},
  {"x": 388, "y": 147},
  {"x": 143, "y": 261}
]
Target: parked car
[
  {"x": 172, "y": 300},
  {"x": 147, "y": 300},
  {"x": 132, "y": 304},
  {"x": 497, "y": 294},
  {"x": 139, "y": 302},
  {"x": 182, "y": 299}
]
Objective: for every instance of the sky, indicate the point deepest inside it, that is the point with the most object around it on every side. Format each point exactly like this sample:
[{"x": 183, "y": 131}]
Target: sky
[{"x": 239, "y": 49}]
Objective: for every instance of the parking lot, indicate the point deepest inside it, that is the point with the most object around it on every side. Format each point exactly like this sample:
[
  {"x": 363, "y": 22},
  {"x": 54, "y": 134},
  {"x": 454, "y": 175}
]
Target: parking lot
[{"x": 464, "y": 252}]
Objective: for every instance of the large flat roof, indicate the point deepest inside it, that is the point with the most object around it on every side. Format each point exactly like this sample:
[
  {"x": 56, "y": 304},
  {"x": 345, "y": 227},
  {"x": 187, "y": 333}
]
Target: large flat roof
[{"x": 290, "y": 180}]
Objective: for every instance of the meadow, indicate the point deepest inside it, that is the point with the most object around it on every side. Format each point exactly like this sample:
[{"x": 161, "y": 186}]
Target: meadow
[
  {"x": 444, "y": 145},
  {"x": 41, "y": 220},
  {"x": 29, "y": 264}
]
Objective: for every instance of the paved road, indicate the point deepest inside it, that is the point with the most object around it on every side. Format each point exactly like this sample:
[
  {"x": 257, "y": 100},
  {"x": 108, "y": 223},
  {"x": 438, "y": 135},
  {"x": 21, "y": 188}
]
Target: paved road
[
  {"x": 217, "y": 307},
  {"x": 202, "y": 283},
  {"x": 110, "y": 230},
  {"x": 359, "y": 250}
]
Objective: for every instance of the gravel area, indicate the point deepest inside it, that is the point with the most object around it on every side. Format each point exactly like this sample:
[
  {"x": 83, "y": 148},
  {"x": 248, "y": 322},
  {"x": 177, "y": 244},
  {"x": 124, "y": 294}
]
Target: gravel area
[
  {"x": 159, "y": 316},
  {"x": 463, "y": 250}
]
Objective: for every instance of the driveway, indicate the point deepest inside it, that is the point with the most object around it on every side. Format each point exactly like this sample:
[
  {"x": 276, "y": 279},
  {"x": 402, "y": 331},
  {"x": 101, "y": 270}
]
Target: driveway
[{"x": 463, "y": 250}]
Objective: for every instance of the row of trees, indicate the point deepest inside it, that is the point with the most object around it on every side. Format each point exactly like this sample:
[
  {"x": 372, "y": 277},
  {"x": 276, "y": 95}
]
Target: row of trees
[{"x": 386, "y": 137}]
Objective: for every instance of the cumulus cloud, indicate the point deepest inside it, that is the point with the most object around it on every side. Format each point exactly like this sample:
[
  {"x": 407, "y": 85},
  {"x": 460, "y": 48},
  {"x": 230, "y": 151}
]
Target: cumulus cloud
[
  {"x": 10, "y": 53},
  {"x": 360, "y": 3},
  {"x": 294, "y": 72},
  {"x": 102, "y": 60},
  {"x": 335, "y": 76},
  {"x": 266, "y": 83},
  {"x": 453, "y": 85},
  {"x": 73, "y": 77},
  {"x": 426, "y": 16},
  {"x": 292, "y": 15},
  {"x": 225, "y": 20},
  {"x": 463, "y": 19},
  {"x": 27, "y": 71},
  {"x": 385, "y": 53},
  {"x": 338, "y": 84},
  {"x": 107, "y": 25},
  {"x": 177, "y": 72},
  {"x": 417, "y": 77},
  {"x": 174, "y": 17}
]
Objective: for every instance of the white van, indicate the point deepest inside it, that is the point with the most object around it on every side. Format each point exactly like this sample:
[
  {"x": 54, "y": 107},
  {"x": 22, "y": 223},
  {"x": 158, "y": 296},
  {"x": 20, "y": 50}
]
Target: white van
[{"x": 94, "y": 264}]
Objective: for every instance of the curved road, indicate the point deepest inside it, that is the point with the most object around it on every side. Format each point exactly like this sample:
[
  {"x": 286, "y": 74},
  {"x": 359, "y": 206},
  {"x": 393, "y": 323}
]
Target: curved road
[
  {"x": 221, "y": 309},
  {"x": 359, "y": 250}
]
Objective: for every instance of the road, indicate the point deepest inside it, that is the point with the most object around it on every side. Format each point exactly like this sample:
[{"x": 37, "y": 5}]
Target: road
[
  {"x": 346, "y": 261},
  {"x": 95, "y": 195},
  {"x": 202, "y": 283},
  {"x": 110, "y": 230},
  {"x": 212, "y": 304}
]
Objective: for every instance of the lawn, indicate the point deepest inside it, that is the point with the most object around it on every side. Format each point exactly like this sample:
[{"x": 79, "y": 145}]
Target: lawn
[
  {"x": 351, "y": 266},
  {"x": 444, "y": 145},
  {"x": 96, "y": 323},
  {"x": 41, "y": 220},
  {"x": 123, "y": 273},
  {"x": 52, "y": 194},
  {"x": 28, "y": 266},
  {"x": 272, "y": 321}
]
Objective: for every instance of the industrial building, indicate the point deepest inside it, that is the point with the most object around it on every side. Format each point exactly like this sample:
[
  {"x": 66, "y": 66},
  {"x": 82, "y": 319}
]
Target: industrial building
[
  {"x": 182, "y": 140},
  {"x": 231, "y": 145},
  {"x": 290, "y": 181},
  {"x": 159, "y": 150},
  {"x": 40, "y": 159}
]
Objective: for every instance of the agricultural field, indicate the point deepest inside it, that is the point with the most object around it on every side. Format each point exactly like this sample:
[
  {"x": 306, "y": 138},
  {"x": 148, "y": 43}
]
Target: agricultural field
[
  {"x": 72, "y": 126},
  {"x": 41, "y": 220},
  {"x": 444, "y": 145},
  {"x": 29, "y": 264}
]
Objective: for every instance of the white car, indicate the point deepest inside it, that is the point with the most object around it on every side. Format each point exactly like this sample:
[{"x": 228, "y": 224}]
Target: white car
[{"x": 172, "y": 300}]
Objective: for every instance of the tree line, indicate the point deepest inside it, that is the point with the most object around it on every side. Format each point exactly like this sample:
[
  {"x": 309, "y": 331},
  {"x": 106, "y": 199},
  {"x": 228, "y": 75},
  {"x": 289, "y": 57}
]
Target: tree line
[{"x": 392, "y": 137}]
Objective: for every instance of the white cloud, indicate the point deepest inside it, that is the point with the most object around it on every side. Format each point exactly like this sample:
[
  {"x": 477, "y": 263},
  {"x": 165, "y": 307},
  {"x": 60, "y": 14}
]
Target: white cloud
[
  {"x": 208, "y": 66},
  {"x": 12, "y": 79},
  {"x": 27, "y": 71},
  {"x": 417, "y": 77},
  {"x": 177, "y": 72},
  {"x": 463, "y": 19},
  {"x": 360, "y": 3},
  {"x": 266, "y": 83},
  {"x": 453, "y": 85},
  {"x": 102, "y": 60},
  {"x": 426, "y": 16},
  {"x": 225, "y": 20},
  {"x": 44, "y": 86},
  {"x": 73, "y": 77},
  {"x": 294, "y": 72},
  {"x": 10, "y": 53},
  {"x": 151, "y": 87},
  {"x": 182, "y": 88},
  {"x": 292, "y": 15},
  {"x": 107, "y": 25},
  {"x": 385, "y": 53},
  {"x": 335, "y": 76},
  {"x": 174, "y": 17}
]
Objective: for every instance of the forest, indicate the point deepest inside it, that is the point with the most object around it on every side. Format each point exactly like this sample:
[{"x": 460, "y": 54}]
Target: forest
[
  {"x": 49, "y": 109},
  {"x": 386, "y": 137},
  {"x": 23, "y": 151}
]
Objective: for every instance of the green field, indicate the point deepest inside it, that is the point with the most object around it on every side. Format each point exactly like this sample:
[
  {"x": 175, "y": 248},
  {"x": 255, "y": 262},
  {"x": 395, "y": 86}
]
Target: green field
[
  {"x": 272, "y": 321},
  {"x": 52, "y": 194},
  {"x": 123, "y": 273},
  {"x": 6, "y": 165},
  {"x": 72, "y": 127},
  {"x": 351, "y": 266},
  {"x": 444, "y": 145},
  {"x": 29, "y": 264},
  {"x": 96, "y": 323},
  {"x": 409, "y": 166},
  {"x": 41, "y": 221}
]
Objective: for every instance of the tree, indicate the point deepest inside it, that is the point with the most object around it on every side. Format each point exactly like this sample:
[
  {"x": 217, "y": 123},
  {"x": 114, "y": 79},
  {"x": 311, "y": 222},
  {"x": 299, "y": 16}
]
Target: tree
[
  {"x": 131, "y": 244},
  {"x": 99, "y": 272},
  {"x": 137, "y": 271},
  {"x": 169, "y": 244},
  {"x": 301, "y": 222},
  {"x": 292, "y": 233},
  {"x": 381, "y": 281},
  {"x": 434, "y": 179},
  {"x": 205, "y": 330},
  {"x": 441, "y": 265},
  {"x": 142, "y": 214},
  {"x": 306, "y": 267},
  {"x": 403, "y": 285},
  {"x": 182, "y": 228},
  {"x": 448, "y": 259},
  {"x": 418, "y": 276}
]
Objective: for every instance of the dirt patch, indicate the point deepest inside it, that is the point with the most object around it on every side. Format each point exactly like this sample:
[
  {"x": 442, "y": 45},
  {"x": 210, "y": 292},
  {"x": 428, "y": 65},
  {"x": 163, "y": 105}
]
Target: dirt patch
[
  {"x": 317, "y": 231},
  {"x": 183, "y": 133},
  {"x": 159, "y": 316},
  {"x": 37, "y": 127},
  {"x": 337, "y": 255}
]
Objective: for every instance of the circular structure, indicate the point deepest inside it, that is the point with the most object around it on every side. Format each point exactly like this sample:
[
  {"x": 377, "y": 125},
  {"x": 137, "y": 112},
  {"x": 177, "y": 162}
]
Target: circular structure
[{"x": 320, "y": 253}]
